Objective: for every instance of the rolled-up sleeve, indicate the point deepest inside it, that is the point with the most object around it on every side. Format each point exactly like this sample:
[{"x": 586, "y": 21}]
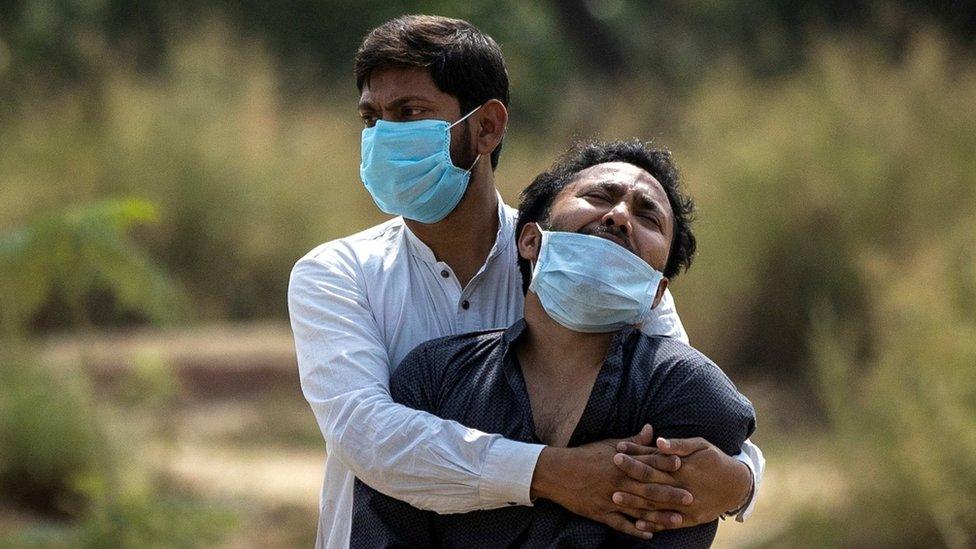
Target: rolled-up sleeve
[
  {"x": 411, "y": 455},
  {"x": 753, "y": 458}
]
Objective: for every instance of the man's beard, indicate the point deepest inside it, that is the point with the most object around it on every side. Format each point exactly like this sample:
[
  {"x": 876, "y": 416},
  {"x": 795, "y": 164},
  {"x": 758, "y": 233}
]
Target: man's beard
[
  {"x": 613, "y": 230},
  {"x": 596, "y": 229},
  {"x": 463, "y": 157}
]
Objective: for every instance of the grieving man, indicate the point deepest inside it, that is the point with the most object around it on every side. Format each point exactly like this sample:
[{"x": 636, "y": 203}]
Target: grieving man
[
  {"x": 434, "y": 95},
  {"x": 605, "y": 230}
]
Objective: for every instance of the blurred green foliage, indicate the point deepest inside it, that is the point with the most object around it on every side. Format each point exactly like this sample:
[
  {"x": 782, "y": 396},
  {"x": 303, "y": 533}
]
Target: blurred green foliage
[
  {"x": 798, "y": 181},
  {"x": 48, "y": 440},
  {"x": 59, "y": 456},
  {"x": 70, "y": 254},
  {"x": 150, "y": 517},
  {"x": 550, "y": 44},
  {"x": 905, "y": 414}
]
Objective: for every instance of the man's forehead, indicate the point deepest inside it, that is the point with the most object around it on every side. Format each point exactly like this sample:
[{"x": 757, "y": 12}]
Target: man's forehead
[
  {"x": 623, "y": 174},
  {"x": 393, "y": 82}
]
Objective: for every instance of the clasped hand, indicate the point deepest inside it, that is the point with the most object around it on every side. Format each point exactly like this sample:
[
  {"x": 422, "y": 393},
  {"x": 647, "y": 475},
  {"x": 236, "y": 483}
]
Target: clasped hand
[{"x": 639, "y": 486}]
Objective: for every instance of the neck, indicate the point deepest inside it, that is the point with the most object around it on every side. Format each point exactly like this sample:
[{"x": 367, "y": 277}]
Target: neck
[
  {"x": 555, "y": 351},
  {"x": 464, "y": 238}
]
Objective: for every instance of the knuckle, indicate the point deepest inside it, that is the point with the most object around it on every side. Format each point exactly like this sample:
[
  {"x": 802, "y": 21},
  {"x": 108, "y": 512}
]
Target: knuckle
[
  {"x": 652, "y": 492},
  {"x": 623, "y": 525},
  {"x": 639, "y": 504},
  {"x": 646, "y": 473},
  {"x": 635, "y": 467},
  {"x": 652, "y": 517}
]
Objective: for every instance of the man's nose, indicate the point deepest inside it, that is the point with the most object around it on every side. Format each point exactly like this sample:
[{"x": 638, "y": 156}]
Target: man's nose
[{"x": 619, "y": 215}]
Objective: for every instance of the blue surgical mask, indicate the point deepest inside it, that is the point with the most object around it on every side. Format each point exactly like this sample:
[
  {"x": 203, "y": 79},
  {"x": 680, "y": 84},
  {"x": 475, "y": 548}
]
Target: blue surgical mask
[
  {"x": 590, "y": 284},
  {"x": 407, "y": 168}
]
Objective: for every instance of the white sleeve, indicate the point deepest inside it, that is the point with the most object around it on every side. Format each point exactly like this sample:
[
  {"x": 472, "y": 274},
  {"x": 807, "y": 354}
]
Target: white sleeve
[
  {"x": 428, "y": 462},
  {"x": 753, "y": 457},
  {"x": 665, "y": 321}
]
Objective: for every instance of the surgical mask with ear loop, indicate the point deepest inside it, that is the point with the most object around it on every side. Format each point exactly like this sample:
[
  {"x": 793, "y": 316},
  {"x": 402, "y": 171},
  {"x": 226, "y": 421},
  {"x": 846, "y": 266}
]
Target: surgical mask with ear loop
[
  {"x": 407, "y": 168},
  {"x": 590, "y": 284}
]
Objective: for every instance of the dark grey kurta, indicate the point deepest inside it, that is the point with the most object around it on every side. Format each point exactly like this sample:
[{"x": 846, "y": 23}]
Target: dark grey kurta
[{"x": 476, "y": 380}]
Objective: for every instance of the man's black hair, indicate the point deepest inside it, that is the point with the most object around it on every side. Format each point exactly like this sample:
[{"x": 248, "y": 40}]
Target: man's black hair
[
  {"x": 538, "y": 197},
  {"x": 462, "y": 61}
]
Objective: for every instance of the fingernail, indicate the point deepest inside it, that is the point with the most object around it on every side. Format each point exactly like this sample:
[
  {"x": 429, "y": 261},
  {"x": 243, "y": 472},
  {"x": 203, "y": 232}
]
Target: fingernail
[
  {"x": 665, "y": 443},
  {"x": 618, "y": 498},
  {"x": 641, "y": 525},
  {"x": 618, "y": 458},
  {"x": 675, "y": 519},
  {"x": 687, "y": 499},
  {"x": 621, "y": 446},
  {"x": 648, "y": 535}
]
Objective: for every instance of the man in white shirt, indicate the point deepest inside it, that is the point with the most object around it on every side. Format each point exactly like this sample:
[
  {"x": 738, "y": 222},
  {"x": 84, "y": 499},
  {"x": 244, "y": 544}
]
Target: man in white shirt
[{"x": 434, "y": 96}]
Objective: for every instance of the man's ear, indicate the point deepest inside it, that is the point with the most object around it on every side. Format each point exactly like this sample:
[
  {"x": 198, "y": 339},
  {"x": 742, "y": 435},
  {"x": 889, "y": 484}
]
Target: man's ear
[
  {"x": 490, "y": 129},
  {"x": 661, "y": 287},
  {"x": 530, "y": 241}
]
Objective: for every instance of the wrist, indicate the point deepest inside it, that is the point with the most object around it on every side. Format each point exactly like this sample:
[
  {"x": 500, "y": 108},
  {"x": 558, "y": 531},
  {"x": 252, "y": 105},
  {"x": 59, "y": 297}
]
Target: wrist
[
  {"x": 744, "y": 479},
  {"x": 545, "y": 478}
]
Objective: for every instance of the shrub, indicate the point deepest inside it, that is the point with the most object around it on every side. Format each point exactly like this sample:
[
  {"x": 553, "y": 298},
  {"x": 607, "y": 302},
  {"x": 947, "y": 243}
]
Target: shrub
[
  {"x": 49, "y": 438},
  {"x": 905, "y": 416}
]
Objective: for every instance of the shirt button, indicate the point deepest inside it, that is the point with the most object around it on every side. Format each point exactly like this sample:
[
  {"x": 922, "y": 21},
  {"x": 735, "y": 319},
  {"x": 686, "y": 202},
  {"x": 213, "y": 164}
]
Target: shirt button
[
  {"x": 445, "y": 274},
  {"x": 465, "y": 305}
]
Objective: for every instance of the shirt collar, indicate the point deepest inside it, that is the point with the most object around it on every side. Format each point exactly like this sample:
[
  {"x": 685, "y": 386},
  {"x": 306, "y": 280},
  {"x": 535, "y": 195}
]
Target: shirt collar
[
  {"x": 503, "y": 238},
  {"x": 614, "y": 353}
]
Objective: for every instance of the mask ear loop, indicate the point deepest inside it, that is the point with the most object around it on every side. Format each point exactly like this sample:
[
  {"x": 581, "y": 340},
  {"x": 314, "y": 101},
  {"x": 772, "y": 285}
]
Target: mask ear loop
[
  {"x": 462, "y": 119},
  {"x": 465, "y": 117},
  {"x": 473, "y": 163}
]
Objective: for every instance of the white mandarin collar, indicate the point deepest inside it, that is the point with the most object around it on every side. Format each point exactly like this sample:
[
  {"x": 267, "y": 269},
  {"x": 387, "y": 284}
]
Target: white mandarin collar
[{"x": 503, "y": 238}]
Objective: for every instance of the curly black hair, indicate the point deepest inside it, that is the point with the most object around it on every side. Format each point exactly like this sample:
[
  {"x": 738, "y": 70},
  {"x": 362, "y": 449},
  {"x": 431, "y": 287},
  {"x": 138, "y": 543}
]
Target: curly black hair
[{"x": 538, "y": 197}]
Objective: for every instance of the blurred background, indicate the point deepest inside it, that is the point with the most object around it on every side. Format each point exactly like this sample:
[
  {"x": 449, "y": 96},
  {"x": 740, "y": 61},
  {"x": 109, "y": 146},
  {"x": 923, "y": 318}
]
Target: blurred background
[{"x": 164, "y": 163}]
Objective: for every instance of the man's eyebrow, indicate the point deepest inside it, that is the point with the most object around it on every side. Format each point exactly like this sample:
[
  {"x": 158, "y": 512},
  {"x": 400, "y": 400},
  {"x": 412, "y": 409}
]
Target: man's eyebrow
[
  {"x": 396, "y": 103},
  {"x": 644, "y": 200},
  {"x": 610, "y": 186}
]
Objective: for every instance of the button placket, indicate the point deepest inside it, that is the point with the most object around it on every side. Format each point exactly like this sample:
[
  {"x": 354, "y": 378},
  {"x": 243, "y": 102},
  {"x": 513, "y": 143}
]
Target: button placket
[{"x": 447, "y": 280}]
